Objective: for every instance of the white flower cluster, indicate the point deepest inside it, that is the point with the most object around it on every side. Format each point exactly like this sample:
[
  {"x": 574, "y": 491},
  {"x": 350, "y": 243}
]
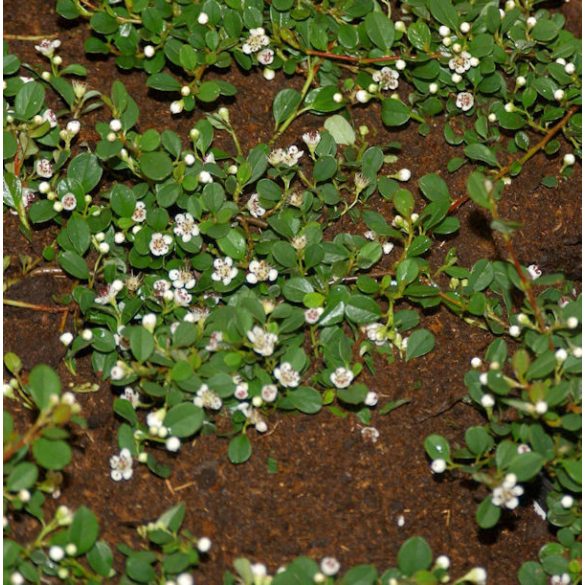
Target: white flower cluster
[
  {"x": 121, "y": 465},
  {"x": 207, "y": 398},
  {"x": 256, "y": 41},
  {"x": 185, "y": 227},
  {"x": 263, "y": 342},
  {"x": 287, "y": 375},
  {"x": 254, "y": 207},
  {"x": 289, "y": 157},
  {"x": 507, "y": 493},
  {"x": 341, "y": 377},
  {"x": 386, "y": 78},
  {"x": 261, "y": 271},
  {"x": 225, "y": 271}
]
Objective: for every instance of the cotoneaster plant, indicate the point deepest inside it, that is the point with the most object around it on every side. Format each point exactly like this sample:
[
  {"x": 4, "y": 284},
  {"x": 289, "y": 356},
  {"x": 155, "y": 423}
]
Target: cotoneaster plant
[{"x": 495, "y": 73}]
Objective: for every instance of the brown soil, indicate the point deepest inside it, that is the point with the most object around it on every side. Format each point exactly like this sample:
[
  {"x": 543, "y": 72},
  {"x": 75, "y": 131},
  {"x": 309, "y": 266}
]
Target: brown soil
[{"x": 333, "y": 494}]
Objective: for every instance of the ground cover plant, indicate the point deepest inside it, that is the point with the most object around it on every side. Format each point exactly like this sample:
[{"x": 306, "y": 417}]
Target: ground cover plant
[{"x": 216, "y": 283}]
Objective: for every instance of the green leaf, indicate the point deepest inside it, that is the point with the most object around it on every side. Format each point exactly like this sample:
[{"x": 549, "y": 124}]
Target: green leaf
[
  {"x": 22, "y": 477},
  {"x": 156, "y": 165},
  {"x": 414, "y": 555},
  {"x": 360, "y": 575},
  {"x": 487, "y": 515},
  {"x": 239, "y": 449},
  {"x": 481, "y": 153},
  {"x": 85, "y": 168},
  {"x": 305, "y": 399},
  {"x": 394, "y": 112},
  {"x": 184, "y": 419},
  {"x": 208, "y": 91},
  {"x": 419, "y": 36},
  {"x": 361, "y": 310},
  {"x": 420, "y": 342},
  {"x": 163, "y": 82},
  {"x": 188, "y": 57},
  {"x": 437, "y": 447},
  {"x": 73, "y": 264},
  {"x": 380, "y": 30},
  {"x": 43, "y": 382},
  {"x": 478, "y": 440},
  {"x": 29, "y": 100},
  {"x": 526, "y": 465},
  {"x": 84, "y": 530},
  {"x": 53, "y": 455},
  {"x": 141, "y": 342},
  {"x": 101, "y": 559},
  {"x": 123, "y": 200},
  {"x": 476, "y": 188},
  {"x": 434, "y": 188},
  {"x": 296, "y": 288},
  {"x": 285, "y": 103},
  {"x": 340, "y": 129},
  {"x": 233, "y": 244},
  {"x": 444, "y": 12}
]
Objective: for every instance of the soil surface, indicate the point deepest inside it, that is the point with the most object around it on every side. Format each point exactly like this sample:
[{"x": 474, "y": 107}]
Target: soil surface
[{"x": 333, "y": 493}]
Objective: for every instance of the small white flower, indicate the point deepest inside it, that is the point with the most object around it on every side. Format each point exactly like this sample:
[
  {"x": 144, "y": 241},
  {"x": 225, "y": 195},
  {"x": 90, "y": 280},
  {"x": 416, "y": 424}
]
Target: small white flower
[
  {"x": 460, "y": 63},
  {"x": 559, "y": 95},
  {"x": 215, "y": 341},
  {"x": 438, "y": 466},
  {"x": 287, "y": 375},
  {"x": 464, "y": 101},
  {"x": 370, "y": 434},
  {"x": 570, "y": 68},
  {"x": 464, "y": 27},
  {"x": 483, "y": 378},
  {"x": 173, "y": 444},
  {"x": 387, "y": 247},
  {"x": 265, "y": 57},
  {"x": 203, "y": 18},
  {"x": 177, "y": 107},
  {"x": 262, "y": 342},
  {"x": 24, "y": 496},
  {"x": 572, "y": 322},
  {"x": 160, "y": 244},
  {"x": 433, "y": 87},
  {"x": 261, "y": 271},
  {"x": 185, "y": 227},
  {"x": 313, "y": 315},
  {"x": 139, "y": 214},
  {"x": 337, "y": 98},
  {"x": 456, "y": 78},
  {"x": 541, "y": 407},
  {"x": 561, "y": 355},
  {"x": 71, "y": 549},
  {"x": 107, "y": 295},
  {"x": 47, "y": 47},
  {"x": 121, "y": 465},
  {"x": 514, "y": 331},
  {"x": 16, "y": 579},
  {"x": 477, "y": 576},
  {"x": 476, "y": 363},
  {"x": 131, "y": 395},
  {"x": 375, "y": 332},
  {"x": 523, "y": 448},
  {"x": 87, "y": 335},
  {"x": 488, "y": 401},
  {"x": 104, "y": 248},
  {"x": 534, "y": 271},
  {"x": 312, "y": 138},
  {"x": 66, "y": 338},
  {"x": 404, "y": 175},
  {"x": 569, "y": 159},
  {"x": 44, "y": 168},
  {"x": 182, "y": 278},
  {"x": 206, "y": 398},
  {"x": 444, "y": 31},
  {"x": 269, "y": 392},
  {"x": 507, "y": 493},
  {"x": 149, "y": 51},
  {"x": 371, "y": 399},
  {"x": 197, "y": 315},
  {"x": 189, "y": 159},
  {"x": 204, "y": 545},
  {"x": 49, "y": 116},
  {"x": 330, "y": 566},
  {"x": 443, "y": 562},
  {"x": 182, "y": 297},
  {"x": 225, "y": 271},
  {"x": 386, "y": 78},
  {"x": 530, "y": 21},
  {"x": 567, "y": 502},
  {"x": 362, "y": 96},
  {"x": 254, "y": 207},
  {"x": 341, "y": 377},
  {"x": 268, "y": 74},
  {"x": 56, "y": 553},
  {"x": 241, "y": 391},
  {"x": 255, "y": 41}
]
